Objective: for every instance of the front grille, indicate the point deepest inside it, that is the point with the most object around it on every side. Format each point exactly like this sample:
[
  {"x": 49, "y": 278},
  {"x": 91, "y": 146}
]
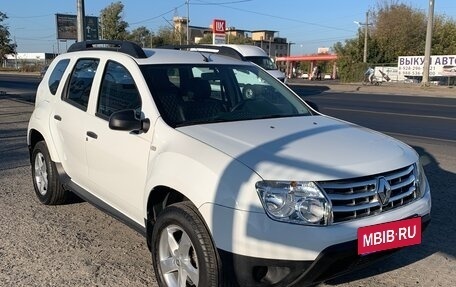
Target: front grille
[{"x": 356, "y": 198}]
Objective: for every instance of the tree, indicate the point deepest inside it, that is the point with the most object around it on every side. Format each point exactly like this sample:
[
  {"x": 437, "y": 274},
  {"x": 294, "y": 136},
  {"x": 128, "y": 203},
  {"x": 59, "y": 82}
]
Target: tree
[
  {"x": 113, "y": 27},
  {"x": 350, "y": 59},
  {"x": 142, "y": 36},
  {"x": 165, "y": 36},
  {"x": 6, "y": 47},
  {"x": 444, "y": 36},
  {"x": 399, "y": 30}
]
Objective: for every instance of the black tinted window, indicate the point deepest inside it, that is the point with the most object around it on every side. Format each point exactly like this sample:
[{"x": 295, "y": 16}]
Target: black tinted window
[
  {"x": 56, "y": 75},
  {"x": 118, "y": 91},
  {"x": 81, "y": 79}
]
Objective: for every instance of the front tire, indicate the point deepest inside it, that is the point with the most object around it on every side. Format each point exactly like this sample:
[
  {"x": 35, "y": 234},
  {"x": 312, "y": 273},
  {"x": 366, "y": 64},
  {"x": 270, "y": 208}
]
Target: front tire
[
  {"x": 46, "y": 181},
  {"x": 183, "y": 253}
]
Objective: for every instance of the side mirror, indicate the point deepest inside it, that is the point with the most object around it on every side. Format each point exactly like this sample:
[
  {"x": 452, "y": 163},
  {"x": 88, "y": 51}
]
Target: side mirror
[
  {"x": 313, "y": 105},
  {"x": 125, "y": 120}
]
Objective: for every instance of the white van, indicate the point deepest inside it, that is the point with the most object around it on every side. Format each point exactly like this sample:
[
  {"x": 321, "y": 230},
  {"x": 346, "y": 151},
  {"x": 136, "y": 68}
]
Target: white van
[
  {"x": 250, "y": 53},
  {"x": 258, "y": 56}
]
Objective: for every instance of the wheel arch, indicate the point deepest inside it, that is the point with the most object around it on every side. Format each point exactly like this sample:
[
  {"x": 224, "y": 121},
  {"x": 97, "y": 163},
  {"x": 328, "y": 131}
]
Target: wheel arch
[
  {"x": 159, "y": 198},
  {"x": 34, "y": 137}
]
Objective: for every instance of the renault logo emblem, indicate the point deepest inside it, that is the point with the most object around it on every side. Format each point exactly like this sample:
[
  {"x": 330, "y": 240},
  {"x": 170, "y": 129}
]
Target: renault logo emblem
[{"x": 383, "y": 190}]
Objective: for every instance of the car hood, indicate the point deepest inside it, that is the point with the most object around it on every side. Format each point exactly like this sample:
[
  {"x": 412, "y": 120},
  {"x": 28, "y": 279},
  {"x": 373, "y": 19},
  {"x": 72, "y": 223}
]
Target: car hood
[
  {"x": 305, "y": 148},
  {"x": 276, "y": 73}
]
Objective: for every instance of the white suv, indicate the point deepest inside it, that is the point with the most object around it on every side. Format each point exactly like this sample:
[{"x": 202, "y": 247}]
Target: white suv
[{"x": 229, "y": 188}]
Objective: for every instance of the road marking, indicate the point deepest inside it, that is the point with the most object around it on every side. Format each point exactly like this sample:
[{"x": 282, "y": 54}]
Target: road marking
[
  {"x": 394, "y": 114},
  {"x": 417, "y": 137},
  {"x": 397, "y": 102},
  {"x": 417, "y": 104}
]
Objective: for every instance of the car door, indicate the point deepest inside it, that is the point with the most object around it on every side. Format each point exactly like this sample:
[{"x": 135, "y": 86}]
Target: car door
[
  {"x": 117, "y": 160},
  {"x": 69, "y": 119}
]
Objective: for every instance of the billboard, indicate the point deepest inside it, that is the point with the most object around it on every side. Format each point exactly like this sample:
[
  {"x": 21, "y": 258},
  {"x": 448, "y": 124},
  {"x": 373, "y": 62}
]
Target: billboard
[
  {"x": 67, "y": 27},
  {"x": 218, "y": 31},
  {"x": 441, "y": 65}
]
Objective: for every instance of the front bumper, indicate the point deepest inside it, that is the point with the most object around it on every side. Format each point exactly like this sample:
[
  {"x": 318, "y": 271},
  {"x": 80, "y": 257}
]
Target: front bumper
[{"x": 331, "y": 262}]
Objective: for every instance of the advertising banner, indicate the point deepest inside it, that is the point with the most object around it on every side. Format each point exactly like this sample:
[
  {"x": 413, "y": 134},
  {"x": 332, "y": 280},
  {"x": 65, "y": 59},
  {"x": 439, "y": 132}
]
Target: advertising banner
[
  {"x": 67, "y": 27},
  {"x": 218, "y": 31},
  {"x": 441, "y": 65}
]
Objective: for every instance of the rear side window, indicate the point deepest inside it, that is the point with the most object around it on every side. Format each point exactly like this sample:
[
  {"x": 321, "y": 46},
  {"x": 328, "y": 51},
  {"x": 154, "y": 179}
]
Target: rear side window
[
  {"x": 80, "y": 83},
  {"x": 56, "y": 75}
]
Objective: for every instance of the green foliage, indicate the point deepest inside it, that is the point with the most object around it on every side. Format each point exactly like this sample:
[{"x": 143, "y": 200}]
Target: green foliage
[
  {"x": 113, "y": 27},
  {"x": 6, "y": 47},
  {"x": 238, "y": 40},
  {"x": 207, "y": 39},
  {"x": 142, "y": 36},
  {"x": 399, "y": 30},
  {"x": 350, "y": 57},
  {"x": 167, "y": 36},
  {"x": 444, "y": 36}
]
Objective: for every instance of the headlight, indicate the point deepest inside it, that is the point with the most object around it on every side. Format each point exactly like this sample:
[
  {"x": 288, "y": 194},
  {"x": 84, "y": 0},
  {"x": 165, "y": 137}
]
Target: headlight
[
  {"x": 420, "y": 180},
  {"x": 300, "y": 202}
]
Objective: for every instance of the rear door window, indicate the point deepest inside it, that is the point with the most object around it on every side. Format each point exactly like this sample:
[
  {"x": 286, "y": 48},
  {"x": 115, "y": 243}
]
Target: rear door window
[{"x": 80, "y": 83}]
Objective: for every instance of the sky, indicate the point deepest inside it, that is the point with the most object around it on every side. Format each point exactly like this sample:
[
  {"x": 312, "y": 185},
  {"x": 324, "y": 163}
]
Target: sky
[{"x": 305, "y": 23}]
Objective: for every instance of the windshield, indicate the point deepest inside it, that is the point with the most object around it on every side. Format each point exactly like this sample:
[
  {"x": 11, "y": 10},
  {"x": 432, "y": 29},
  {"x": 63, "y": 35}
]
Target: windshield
[
  {"x": 264, "y": 62},
  {"x": 200, "y": 94}
]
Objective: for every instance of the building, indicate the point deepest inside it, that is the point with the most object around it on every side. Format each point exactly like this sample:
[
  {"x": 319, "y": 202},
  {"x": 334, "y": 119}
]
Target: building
[
  {"x": 265, "y": 39},
  {"x": 31, "y": 61}
]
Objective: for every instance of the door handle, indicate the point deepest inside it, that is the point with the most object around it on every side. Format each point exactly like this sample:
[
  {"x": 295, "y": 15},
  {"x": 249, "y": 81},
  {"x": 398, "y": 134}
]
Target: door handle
[
  {"x": 92, "y": 134},
  {"x": 57, "y": 117}
]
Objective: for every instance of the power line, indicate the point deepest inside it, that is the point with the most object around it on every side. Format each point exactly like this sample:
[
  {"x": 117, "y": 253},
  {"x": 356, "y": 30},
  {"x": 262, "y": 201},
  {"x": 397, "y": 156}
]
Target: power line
[
  {"x": 158, "y": 16},
  {"x": 29, "y": 17},
  {"x": 276, "y": 17}
]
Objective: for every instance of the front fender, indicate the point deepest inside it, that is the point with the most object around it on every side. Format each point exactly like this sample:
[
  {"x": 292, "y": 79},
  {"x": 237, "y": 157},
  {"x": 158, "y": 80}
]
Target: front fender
[{"x": 202, "y": 173}]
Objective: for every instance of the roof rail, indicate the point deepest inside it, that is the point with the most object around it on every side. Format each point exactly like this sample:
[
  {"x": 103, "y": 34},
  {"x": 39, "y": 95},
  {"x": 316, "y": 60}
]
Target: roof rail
[
  {"x": 126, "y": 47},
  {"x": 221, "y": 50}
]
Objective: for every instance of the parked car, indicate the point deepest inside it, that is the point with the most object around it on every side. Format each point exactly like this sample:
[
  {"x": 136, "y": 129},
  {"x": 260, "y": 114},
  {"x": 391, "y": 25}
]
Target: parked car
[{"x": 228, "y": 187}]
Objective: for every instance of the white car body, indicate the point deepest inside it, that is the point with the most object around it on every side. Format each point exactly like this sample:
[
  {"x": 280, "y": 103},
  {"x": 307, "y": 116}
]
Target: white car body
[{"x": 215, "y": 166}]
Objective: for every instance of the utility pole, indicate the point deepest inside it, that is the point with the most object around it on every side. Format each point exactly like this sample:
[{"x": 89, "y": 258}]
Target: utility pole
[
  {"x": 427, "y": 48},
  {"x": 366, "y": 25},
  {"x": 80, "y": 20},
  {"x": 365, "y": 37},
  {"x": 188, "y": 20}
]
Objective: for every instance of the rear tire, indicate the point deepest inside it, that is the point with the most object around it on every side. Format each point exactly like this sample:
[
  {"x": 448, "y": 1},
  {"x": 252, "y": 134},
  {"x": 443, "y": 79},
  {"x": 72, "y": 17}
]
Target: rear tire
[
  {"x": 183, "y": 253},
  {"x": 46, "y": 181}
]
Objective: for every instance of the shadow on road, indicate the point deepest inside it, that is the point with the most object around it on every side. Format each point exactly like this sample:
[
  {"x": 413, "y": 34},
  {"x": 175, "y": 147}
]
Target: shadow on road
[
  {"x": 438, "y": 237},
  {"x": 309, "y": 90},
  {"x": 22, "y": 97}
]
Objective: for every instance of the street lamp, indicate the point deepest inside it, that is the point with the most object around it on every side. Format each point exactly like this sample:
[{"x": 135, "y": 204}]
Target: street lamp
[{"x": 365, "y": 34}]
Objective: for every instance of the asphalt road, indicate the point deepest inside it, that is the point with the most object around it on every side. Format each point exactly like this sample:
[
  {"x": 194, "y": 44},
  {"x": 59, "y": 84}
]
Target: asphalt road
[
  {"x": 78, "y": 245},
  {"x": 419, "y": 116}
]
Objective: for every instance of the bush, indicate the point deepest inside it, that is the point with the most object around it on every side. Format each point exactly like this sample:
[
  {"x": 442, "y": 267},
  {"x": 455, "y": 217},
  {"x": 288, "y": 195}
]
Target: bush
[{"x": 352, "y": 72}]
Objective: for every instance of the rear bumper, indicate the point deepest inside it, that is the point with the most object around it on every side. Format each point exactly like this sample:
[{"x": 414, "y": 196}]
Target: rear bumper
[{"x": 331, "y": 262}]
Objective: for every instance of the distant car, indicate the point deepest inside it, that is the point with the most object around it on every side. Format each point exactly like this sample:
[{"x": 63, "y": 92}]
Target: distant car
[
  {"x": 304, "y": 76},
  {"x": 410, "y": 81},
  {"x": 449, "y": 69}
]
